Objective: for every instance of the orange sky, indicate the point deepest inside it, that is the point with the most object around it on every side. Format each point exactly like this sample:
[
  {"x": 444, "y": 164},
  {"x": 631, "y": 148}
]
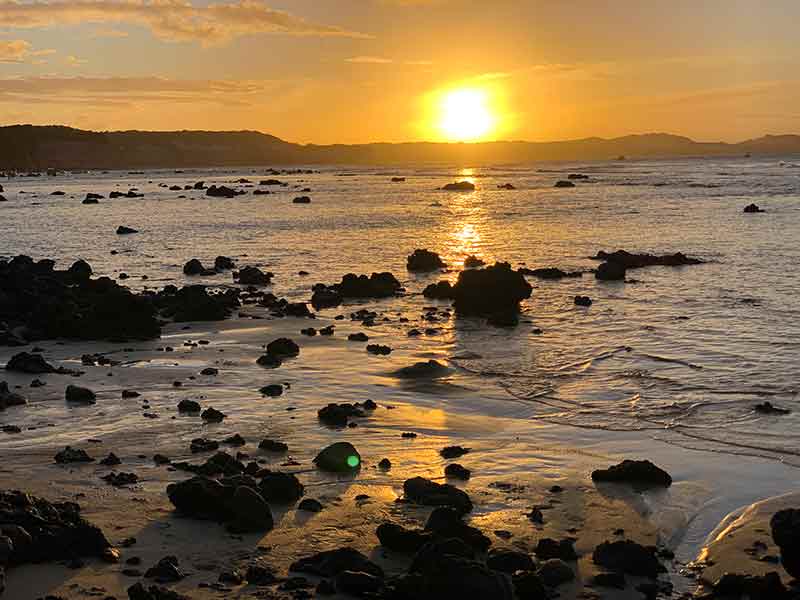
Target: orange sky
[{"x": 348, "y": 71}]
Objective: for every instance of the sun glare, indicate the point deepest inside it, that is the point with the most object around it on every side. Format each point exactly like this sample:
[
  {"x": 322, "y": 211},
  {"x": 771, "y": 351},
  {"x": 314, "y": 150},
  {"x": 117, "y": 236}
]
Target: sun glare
[{"x": 465, "y": 115}]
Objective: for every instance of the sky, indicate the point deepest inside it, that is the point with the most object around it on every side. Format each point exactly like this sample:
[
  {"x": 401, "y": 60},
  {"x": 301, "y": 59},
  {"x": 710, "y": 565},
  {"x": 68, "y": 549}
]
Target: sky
[{"x": 353, "y": 71}]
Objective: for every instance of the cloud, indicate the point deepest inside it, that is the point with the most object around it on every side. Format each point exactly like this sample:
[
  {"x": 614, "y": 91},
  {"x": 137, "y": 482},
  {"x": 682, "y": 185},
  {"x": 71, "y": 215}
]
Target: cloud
[
  {"x": 110, "y": 33},
  {"x": 369, "y": 60},
  {"x": 74, "y": 61},
  {"x": 174, "y": 20},
  {"x": 20, "y": 51}
]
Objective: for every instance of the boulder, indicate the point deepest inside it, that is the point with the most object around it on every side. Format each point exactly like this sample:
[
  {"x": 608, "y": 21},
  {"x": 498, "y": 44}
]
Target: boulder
[
  {"x": 635, "y": 472},
  {"x": 449, "y": 577},
  {"x": 399, "y": 539},
  {"x": 123, "y": 230},
  {"x": 442, "y": 290},
  {"x": 325, "y": 297},
  {"x": 582, "y": 301},
  {"x": 457, "y": 471},
  {"x": 429, "y": 369},
  {"x": 445, "y": 522},
  {"x": 550, "y": 273},
  {"x": 253, "y": 276},
  {"x": 221, "y": 192},
  {"x": 610, "y": 271},
  {"x": 753, "y": 208},
  {"x": 429, "y": 493},
  {"x": 272, "y": 446},
  {"x": 626, "y": 556},
  {"x": 32, "y": 364},
  {"x": 332, "y": 562},
  {"x": 310, "y": 505},
  {"x": 72, "y": 455},
  {"x": 377, "y": 285},
  {"x": 459, "y": 186},
  {"x": 555, "y": 572},
  {"x": 509, "y": 561},
  {"x": 785, "y": 526},
  {"x": 564, "y": 183},
  {"x": 224, "y": 263},
  {"x": 341, "y": 457},
  {"x": 491, "y": 290},
  {"x": 79, "y": 395},
  {"x": 9, "y": 398},
  {"x": 283, "y": 348},
  {"x": 637, "y": 261},
  {"x": 337, "y": 415},
  {"x": 547, "y": 548},
  {"x": 302, "y": 200},
  {"x": 424, "y": 260},
  {"x": 282, "y": 488},
  {"x": 473, "y": 262},
  {"x": 194, "y": 267},
  {"x": 358, "y": 583}
]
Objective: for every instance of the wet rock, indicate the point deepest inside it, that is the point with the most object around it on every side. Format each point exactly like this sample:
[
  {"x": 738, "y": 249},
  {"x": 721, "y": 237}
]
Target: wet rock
[
  {"x": 429, "y": 369},
  {"x": 583, "y": 301},
  {"x": 240, "y": 506},
  {"x": 130, "y": 394},
  {"x": 338, "y": 415},
  {"x": 377, "y": 285},
  {"x": 253, "y": 276},
  {"x": 283, "y": 348},
  {"x": 753, "y": 208},
  {"x": 332, "y": 562},
  {"x": 399, "y": 539},
  {"x": 111, "y": 460},
  {"x": 577, "y": 176},
  {"x": 272, "y": 390},
  {"x": 324, "y": 297},
  {"x": 473, "y": 262},
  {"x": 123, "y": 230},
  {"x": 610, "y": 271},
  {"x": 138, "y": 592},
  {"x": 310, "y": 505},
  {"x": 212, "y": 415},
  {"x": 209, "y": 371},
  {"x": 506, "y": 186},
  {"x": 637, "y": 261},
  {"x": 309, "y": 331},
  {"x": 609, "y": 580},
  {"x": 302, "y": 200},
  {"x": 283, "y": 488},
  {"x": 503, "y": 318},
  {"x": 79, "y": 395},
  {"x": 564, "y": 183},
  {"x": 233, "y": 577},
  {"x": 194, "y": 268},
  {"x": 269, "y": 361},
  {"x": 195, "y": 303},
  {"x": 767, "y": 408},
  {"x": 33, "y": 364},
  {"x": 755, "y": 587},
  {"x": 341, "y": 457},
  {"x": 459, "y": 186},
  {"x": 379, "y": 350},
  {"x": 456, "y": 471},
  {"x": 221, "y": 192},
  {"x": 555, "y": 572},
  {"x": 627, "y": 557},
  {"x": 547, "y": 548},
  {"x": 358, "y": 337},
  {"x": 785, "y": 526},
  {"x": 446, "y": 523},
  {"x": 446, "y": 577},
  {"x": 198, "y": 445},
  {"x": 9, "y": 398},
  {"x": 509, "y": 561},
  {"x": 273, "y": 446},
  {"x": 187, "y": 405},
  {"x": 429, "y": 493},
  {"x": 422, "y": 260},
  {"x": 442, "y": 290},
  {"x": 165, "y": 571},
  {"x": 636, "y": 472},
  {"x": 92, "y": 199},
  {"x": 550, "y": 273},
  {"x": 449, "y": 452},
  {"x": 120, "y": 479},
  {"x": 529, "y": 586},
  {"x": 224, "y": 263},
  {"x": 385, "y": 464},
  {"x": 493, "y": 289},
  {"x": 358, "y": 583},
  {"x": 72, "y": 455},
  {"x": 41, "y": 531},
  {"x": 260, "y": 575}
]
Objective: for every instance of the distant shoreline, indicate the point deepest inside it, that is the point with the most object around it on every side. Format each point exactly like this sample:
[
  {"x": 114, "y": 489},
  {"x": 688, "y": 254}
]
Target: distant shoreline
[{"x": 38, "y": 148}]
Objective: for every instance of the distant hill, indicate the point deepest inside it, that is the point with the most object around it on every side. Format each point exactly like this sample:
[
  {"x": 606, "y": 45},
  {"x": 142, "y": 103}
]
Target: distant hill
[{"x": 28, "y": 147}]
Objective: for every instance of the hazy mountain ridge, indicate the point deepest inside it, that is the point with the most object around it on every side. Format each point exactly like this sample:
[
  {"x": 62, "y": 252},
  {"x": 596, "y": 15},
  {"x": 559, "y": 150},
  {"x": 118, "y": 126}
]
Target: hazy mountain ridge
[{"x": 28, "y": 147}]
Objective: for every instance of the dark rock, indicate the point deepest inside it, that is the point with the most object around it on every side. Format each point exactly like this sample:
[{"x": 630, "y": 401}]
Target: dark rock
[
  {"x": 504, "y": 318},
  {"x": 187, "y": 405},
  {"x": 442, "y": 290},
  {"x": 628, "y": 557},
  {"x": 198, "y": 445},
  {"x": 209, "y": 371},
  {"x": 449, "y": 452},
  {"x": 550, "y": 273},
  {"x": 753, "y": 208},
  {"x": 165, "y": 570},
  {"x": 785, "y": 526},
  {"x": 310, "y": 505},
  {"x": 273, "y": 446},
  {"x": 33, "y": 364},
  {"x": 547, "y": 548},
  {"x": 446, "y": 523},
  {"x": 72, "y": 455},
  {"x": 555, "y": 572},
  {"x": 79, "y": 395},
  {"x": 377, "y": 285},
  {"x": 609, "y": 580},
  {"x": 358, "y": 337},
  {"x": 341, "y": 457},
  {"x": 379, "y": 349},
  {"x": 564, "y": 183},
  {"x": 528, "y": 586},
  {"x": 253, "y": 276},
  {"x": 423, "y": 370},
  {"x": 583, "y": 301},
  {"x": 446, "y": 576},
  {"x": 429, "y": 493},
  {"x": 138, "y": 592},
  {"x": 259, "y": 575},
  {"x": 270, "y": 361},
  {"x": 509, "y": 561},
  {"x": 111, "y": 460},
  {"x": 221, "y": 192},
  {"x": 491, "y": 290},
  {"x": 754, "y": 587},
  {"x": 195, "y": 303},
  {"x": 506, "y": 186},
  {"x": 325, "y": 297},
  {"x": 234, "y": 440},
  {"x": 385, "y": 464},
  {"x": 332, "y": 562},
  {"x": 272, "y": 390},
  {"x": 194, "y": 267},
  {"x": 212, "y": 415},
  {"x": 459, "y": 186},
  {"x": 767, "y": 408},
  {"x": 282, "y": 488},
  {"x": 357, "y": 583},
  {"x": 123, "y": 230},
  {"x": 424, "y": 260},
  {"x": 636, "y": 472},
  {"x": 577, "y": 176},
  {"x": 629, "y": 260},
  {"x": 130, "y": 394},
  {"x": 610, "y": 271},
  {"x": 121, "y": 479},
  {"x": 224, "y": 263},
  {"x": 399, "y": 539},
  {"x": 283, "y": 348},
  {"x": 456, "y": 471},
  {"x": 9, "y": 398},
  {"x": 337, "y": 415},
  {"x": 302, "y": 200}
]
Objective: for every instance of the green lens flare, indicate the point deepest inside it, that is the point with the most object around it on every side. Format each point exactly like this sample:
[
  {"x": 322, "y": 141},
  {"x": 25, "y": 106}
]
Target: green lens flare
[{"x": 352, "y": 461}]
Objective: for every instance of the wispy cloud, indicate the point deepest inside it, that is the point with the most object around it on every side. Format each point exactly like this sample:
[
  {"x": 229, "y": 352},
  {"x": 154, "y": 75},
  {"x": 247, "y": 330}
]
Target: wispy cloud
[
  {"x": 110, "y": 33},
  {"x": 369, "y": 60},
  {"x": 20, "y": 51},
  {"x": 176, "y": 20}
]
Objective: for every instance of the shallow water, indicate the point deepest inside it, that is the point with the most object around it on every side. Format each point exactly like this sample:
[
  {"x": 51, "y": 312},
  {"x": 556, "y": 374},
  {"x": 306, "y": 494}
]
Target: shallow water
[{"x": 668, "y": 368}]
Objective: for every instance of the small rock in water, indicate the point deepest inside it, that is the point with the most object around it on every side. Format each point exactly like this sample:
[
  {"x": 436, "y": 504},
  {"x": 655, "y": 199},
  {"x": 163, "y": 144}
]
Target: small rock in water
[
  {"x": 583, "y": 301},
  {"x": 767, "y": 408},
  {"x": 310, "y": 505},
  {"x": 636, "y": 472},
  {"x": 456, "y": 471},
  {"x": 341, "y": 457},
  {"x": 379, "y": 350},
  {"x": 272, "y": 390},
  {"x": 111, "y": 460},
  {"x": 753, "y": 208},
  {"x": 424, "y": 260},
  {"x": 453, "y": 451},
  {"x": 123, "y": 230},
  {"x": 429, "y": 493},
  {"x": 72, "y": 455},
  {"x": 212, "y": 415},
  {"x": 627, "y": 557},
  {"x": 273, "y": 446}
]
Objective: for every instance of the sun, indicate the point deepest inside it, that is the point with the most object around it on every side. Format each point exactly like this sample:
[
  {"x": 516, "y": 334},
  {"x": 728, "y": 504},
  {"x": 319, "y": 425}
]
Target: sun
[{"x": 465, "y": 115}]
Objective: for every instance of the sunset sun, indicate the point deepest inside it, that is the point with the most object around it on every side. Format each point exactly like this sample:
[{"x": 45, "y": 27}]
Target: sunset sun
[{"x": 465, "y": 115}]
